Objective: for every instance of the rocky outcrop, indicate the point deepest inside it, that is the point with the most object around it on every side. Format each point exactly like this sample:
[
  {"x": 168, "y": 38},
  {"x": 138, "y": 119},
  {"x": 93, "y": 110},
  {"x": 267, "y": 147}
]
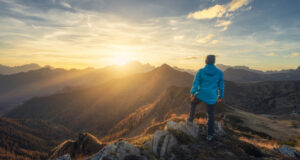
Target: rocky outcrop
[
  {"x": 121, "y": 150},
  {"x": 185, "y": 141},
  {"x": 85, "y": 145},
  {"x": 64, "y": 157},
  {"x": 161, "y": 143},
  {"x": 285, "y": 150},
  {"x": 189, "y": 129}
]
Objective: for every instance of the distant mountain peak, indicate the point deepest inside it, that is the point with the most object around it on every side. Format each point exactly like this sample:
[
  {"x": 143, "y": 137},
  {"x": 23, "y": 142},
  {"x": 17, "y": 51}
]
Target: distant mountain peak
[{"x": 165, "y": 67}]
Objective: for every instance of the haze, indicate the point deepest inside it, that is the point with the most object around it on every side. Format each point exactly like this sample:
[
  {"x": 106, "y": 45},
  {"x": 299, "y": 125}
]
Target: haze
[{"x": 75, "y": 34}]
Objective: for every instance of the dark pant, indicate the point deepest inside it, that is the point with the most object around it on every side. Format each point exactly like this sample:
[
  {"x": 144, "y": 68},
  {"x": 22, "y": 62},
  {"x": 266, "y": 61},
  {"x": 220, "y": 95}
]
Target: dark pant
[{"x": 210, "y": 110}]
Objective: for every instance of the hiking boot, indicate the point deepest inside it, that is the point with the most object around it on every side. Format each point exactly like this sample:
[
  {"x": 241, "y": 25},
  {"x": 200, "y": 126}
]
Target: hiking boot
[{"x": 209, "y": 137}]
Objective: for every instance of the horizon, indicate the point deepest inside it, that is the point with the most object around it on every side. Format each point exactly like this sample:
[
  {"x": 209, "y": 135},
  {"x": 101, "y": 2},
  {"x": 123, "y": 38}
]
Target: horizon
[
  {"x": 74, "y": 34},
  {"x": 131, "y": 62}
]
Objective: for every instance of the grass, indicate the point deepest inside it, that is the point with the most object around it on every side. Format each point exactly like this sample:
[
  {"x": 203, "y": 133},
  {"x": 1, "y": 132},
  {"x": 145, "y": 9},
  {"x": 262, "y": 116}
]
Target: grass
[
  {"x": 262, "y": 143},
  {"x": 289, "y": 142}
]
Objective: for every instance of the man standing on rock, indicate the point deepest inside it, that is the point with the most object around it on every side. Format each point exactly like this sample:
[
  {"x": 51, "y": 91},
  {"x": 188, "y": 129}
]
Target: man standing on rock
[{"x": 208, "y": 87}]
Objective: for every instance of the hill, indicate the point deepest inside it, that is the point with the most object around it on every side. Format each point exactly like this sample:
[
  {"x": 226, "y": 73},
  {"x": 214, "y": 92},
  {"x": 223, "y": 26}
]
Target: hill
[
  {"x": 99, "y": 107},
  {"x": 271, "y": 97},
  {"x": 244, "y": 75},
  {"x": 17, "y": 88},
  {"x": 5, "y": 70},
  {"x": 29, "y": 139}
]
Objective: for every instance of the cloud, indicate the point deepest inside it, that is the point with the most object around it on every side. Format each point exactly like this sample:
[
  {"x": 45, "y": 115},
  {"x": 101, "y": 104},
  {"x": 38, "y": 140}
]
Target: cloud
[
  {"x": 212, "y": 12},
  {"x": 65, "y": 4},
  {"x": 236, "y": 4},
  {"x": 223, "y": 24},
  {"x": 205, "y": 39},
  {"x": 295, "y": 54},
  {"x": 214, "y": 41},
  {"x": 219, "y": 11},
  {"x": 271, "y": 54},
  {"x": 191, "y": 58},
  {"x": 178, "y": 37}
]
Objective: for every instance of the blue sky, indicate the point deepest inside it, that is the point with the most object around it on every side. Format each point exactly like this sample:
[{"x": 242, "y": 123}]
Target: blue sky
[{"x": 262, "y": 34}]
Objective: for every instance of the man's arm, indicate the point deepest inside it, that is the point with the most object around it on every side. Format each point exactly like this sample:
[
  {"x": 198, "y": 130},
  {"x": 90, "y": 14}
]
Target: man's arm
[
  {"x": 196, "y": 84},
  {"x": 221, "y": 87}
]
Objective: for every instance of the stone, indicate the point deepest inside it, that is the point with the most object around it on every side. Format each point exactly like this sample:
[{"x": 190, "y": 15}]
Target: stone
[
  {"x": 219, "y": 129},
  {"x": 118, "y": 151},
  {"x": 190, "y": 129},
  {"x": 162, "y": 143},
  {"x": 285, "y": 150},
  {"x": 64, "y": 157}
]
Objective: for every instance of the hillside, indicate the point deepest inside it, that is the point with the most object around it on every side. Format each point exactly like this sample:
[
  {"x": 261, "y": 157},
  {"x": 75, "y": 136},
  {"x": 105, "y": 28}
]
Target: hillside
[
  {"x": 244, "y": 75},
  {"x": 174, "y": 102},
  {"x": 276, "y": 97},
  {"x": 17, "y": 88},
  {"x": 29, "y": 139},
  {"x": 98, "y": 108}
]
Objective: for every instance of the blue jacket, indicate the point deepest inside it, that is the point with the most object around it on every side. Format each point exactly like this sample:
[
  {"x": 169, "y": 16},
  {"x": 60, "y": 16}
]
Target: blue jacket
[{"x": 208, "y": 84}]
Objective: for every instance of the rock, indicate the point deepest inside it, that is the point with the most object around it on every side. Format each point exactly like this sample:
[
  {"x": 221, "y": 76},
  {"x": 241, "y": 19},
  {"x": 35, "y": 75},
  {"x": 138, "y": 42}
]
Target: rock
[
  {"x": 118, "y": 151},
  {"x": 190, "y": 129},
  {"x": 64, "y": 157},
  {"x": 162, "y": 143},
  {"x": 285, "y": 150},
  {"x": 219, "y": 129},
  {"x": 85, "y": 145}
]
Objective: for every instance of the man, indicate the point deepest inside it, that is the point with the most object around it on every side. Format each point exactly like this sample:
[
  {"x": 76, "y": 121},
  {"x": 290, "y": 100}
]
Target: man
[{"x": 208, "y": 87}]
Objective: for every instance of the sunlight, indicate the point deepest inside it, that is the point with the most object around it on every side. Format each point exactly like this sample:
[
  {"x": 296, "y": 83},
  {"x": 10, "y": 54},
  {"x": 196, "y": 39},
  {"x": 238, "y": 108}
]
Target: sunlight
[{"x": 121, "y": 58}]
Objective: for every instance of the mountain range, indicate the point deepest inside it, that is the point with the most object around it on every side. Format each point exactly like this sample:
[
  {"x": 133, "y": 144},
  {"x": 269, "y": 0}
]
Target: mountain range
[
  {"x": 17, "y": 88},
  {"x": 242, "y": 75},
  {"x": 5, "y": 70},
  {"x": 138, "y": 104},
  {"x": 30, "y": 139},
  {"x": 112, "y": 101},
  {"x": 125, "y": 95}
]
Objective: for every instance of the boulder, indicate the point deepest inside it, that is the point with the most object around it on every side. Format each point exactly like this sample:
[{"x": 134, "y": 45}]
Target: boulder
[
  {"x": 64, "y": 157},
  {"x": 219, "y": 129},
  {"x": 189, "y": 129},
  {"x": 120, "y": 150},
  {"x": 285, "y": 150},
  {"x": 85, "y": 145},
  {"x": 162, "y": 143}
]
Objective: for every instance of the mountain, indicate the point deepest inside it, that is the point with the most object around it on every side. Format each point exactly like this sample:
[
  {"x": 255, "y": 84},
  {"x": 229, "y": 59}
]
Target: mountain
[
  {"x": 190, "y": 71},
  {"x": 152, "y": 128},
  {"x": 242, "y": 75},
  {"x": 29, "y": 139},
  {"x": 223, "y": 68},
  {"x": 276, "y": 97},
  {"x": 99, "y": 107},
  {"x": 17, "y": 88},
  {"x": 17, "y": 69},
  {"x": 173, "y": 102}
]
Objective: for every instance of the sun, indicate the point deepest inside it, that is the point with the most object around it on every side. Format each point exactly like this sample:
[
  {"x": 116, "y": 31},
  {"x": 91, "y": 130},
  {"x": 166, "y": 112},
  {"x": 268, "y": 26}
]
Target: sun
[{"x": 121, "y": 59}]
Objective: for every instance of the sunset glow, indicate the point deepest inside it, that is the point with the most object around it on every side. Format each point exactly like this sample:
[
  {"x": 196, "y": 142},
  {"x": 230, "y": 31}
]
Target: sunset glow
[{"x": 96, "y": 33}]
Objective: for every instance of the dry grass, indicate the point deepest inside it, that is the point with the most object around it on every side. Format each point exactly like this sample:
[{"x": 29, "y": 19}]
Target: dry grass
[{"x": 262, "y": 143}]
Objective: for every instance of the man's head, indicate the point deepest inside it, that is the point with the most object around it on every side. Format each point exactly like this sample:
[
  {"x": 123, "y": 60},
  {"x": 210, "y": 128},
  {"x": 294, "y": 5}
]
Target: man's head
[{"x": 210, "y": 59}]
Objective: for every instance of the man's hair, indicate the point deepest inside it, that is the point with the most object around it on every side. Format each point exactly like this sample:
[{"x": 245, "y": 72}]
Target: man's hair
[{"x": 210, "y": 59}]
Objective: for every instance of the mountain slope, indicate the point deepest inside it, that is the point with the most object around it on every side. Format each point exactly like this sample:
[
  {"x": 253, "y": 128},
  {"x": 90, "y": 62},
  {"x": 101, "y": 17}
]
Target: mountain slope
[
  {"x": 16, "y": 88},
  {"x": 279, "y": 97},
  {"x": 174, "y": 102},
  {"x": 99, "y": 107},
  {"x": 243, "y": 75},
  {"x": 29, "y": 139}
]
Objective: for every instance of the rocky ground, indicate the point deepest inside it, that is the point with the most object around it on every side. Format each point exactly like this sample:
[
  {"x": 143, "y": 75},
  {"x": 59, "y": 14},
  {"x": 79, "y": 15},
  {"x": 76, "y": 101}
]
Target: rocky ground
[{"x": 182, "y": 141}]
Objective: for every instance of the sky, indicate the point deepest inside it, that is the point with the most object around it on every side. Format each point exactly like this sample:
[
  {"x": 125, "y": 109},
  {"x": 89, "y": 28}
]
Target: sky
[{"x": 261, "y": 34}]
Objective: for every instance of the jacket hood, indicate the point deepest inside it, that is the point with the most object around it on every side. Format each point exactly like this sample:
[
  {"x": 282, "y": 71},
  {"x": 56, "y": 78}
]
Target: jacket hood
[{"x": 210, "y": 69}]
